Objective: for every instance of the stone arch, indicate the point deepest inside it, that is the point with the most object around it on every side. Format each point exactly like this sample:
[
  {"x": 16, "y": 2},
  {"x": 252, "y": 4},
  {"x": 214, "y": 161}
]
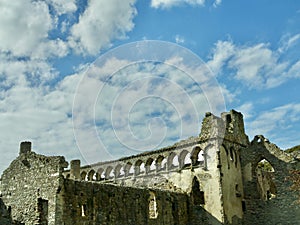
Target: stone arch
[
  {"x": 96, "y": 176},
  {"x": 100, "y": 174},
  {"x": 197, "y": 156},
  {"x": 83, "y": 175},
  {"x": 139, "y": 167},
  {"x": 197, "y": 195},
  {"x": 128, "y": 169},
  {"x": 161, "y": 162},
  {"x": 90, "y": 175},
  {"x": 172, "y": 161},
  {"x": 225, "y": 155},
  {"x": 184, "y": 159},
  {"x": 118, "y": 171},
  {"x": 150, "y": 165},
  {"x": 261, "y": 158},
  {"x": 265, "y": 175},
  {"x": 153, "y": 212},
  {"x": 109, "y": 172}
]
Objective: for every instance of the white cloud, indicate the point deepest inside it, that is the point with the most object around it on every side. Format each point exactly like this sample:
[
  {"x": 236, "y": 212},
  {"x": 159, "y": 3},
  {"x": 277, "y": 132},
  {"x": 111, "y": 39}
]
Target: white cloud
[
  {"x": 172, "y": 3},
  {"x": 256, "y": 66},
  {"x": 25, "y": 27},
  {"x": 35, "y": 102},
  {"x": 24, "y": 24},
  {"x": 37, "y": 113},
  {"x": 101, "y": 22},
  {"x": 288, "y": 41},
  {"x": 63, "y": 7},
  {"x": 217, "y": 3},
  {"x": 143, "y": 106},
  {"x": 222, "y": 52},
  {"x": 283, "y": 119},
  {"x": 179, "y": 39}
]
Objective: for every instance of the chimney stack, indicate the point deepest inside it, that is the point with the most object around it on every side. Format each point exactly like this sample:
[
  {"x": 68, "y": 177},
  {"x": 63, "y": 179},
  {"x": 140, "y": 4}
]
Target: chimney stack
[
  {"x": 25, "y": 147},
  {"x": 75, "y": 169}
]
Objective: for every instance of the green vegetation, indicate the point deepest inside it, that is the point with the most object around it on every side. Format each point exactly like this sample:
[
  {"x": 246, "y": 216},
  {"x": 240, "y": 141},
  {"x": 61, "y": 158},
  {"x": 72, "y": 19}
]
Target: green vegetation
[
  {"x": 264, "y": 165},
  {"x": 293, "y": 149}
]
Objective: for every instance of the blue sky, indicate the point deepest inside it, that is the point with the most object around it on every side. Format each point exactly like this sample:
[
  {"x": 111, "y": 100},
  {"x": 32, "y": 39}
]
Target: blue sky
[{"x": 65, "y": 87}]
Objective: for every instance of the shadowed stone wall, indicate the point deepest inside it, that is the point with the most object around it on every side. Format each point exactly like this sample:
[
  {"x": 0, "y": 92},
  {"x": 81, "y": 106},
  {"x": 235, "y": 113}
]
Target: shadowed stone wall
[
  {"x": 30, "y": 184},
  {"x": 267, "y": 194},
  {"x": 92, "y": 203}
]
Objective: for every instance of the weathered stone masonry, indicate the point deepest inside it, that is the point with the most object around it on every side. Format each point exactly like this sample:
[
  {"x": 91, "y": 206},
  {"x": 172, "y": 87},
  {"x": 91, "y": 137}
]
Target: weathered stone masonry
[{"x": 219, "y": 177}]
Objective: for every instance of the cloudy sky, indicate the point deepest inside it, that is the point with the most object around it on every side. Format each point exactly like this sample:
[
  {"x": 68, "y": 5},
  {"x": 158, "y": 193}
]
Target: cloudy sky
[{"x": 101, "y": 79}]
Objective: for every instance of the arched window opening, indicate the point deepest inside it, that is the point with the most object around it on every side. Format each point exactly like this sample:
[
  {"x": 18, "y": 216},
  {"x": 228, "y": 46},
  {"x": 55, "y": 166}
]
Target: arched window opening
[
  {"x": 68, "y": 176},
  {"x": 187, "y": 160},
  {"x": 109, "y": 173},
  {"x": 164, "y": 164},
  {"x": 224, "y": 157},
  {"x": 161, "y": 163},
  {"x": 83, "y": 210},
  {"x": 196, "y": 194},
  {"x": 91, "y": 175},
  {"x": 265, "y": 165},
  {"x": 118, "y": 170},
  {"x": 137, "y": 169},
  {"x": 265, "y": 179},
  {"x": 150, "y": 165},
  {"x": 96, "y": 176},
  {"x": 142, "y": 168},
  {"x": 101, "y": 174},
  {"x": 83, "y": 175},
  {"x": 122, "y": 172},
  {"x": 129, "y": 170},
  {"x": 153, "y": 214},
  {"x": 184, "y": 159},
  {"x": 197, "y": 156},
  {"x": 173, "y": 161}
]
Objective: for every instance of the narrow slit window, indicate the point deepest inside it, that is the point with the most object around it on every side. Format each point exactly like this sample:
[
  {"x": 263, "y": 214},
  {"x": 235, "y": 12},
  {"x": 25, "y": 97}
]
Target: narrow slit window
[
  {"x": 83, "y": 210},
  {"x": 152, "y": 206}
]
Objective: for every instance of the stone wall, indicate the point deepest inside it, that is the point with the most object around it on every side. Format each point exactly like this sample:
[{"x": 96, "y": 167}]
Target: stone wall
[
  {"x": 267, "y": 193},
  {"x": 5, "y": 214},
  {"x": 94, "y": 203},
  {"x": 30, "y": 184}
]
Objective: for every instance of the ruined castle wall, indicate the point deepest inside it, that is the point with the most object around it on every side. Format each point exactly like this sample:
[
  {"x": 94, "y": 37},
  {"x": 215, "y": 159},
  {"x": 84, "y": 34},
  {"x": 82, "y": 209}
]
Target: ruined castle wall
[
  {"x": 268, "y": 196},
  {"x": 232, "y": 183},
  {"x": 180, "y": 179},
  {"x": 5, "y": 215},
  {"x": 94, "y": 203},
  {"x": 29, "y": 187}
]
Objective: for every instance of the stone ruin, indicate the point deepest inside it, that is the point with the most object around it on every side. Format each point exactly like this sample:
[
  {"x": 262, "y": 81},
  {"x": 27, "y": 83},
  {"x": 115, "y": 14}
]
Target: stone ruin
[{"x": 219, "y": 177}]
